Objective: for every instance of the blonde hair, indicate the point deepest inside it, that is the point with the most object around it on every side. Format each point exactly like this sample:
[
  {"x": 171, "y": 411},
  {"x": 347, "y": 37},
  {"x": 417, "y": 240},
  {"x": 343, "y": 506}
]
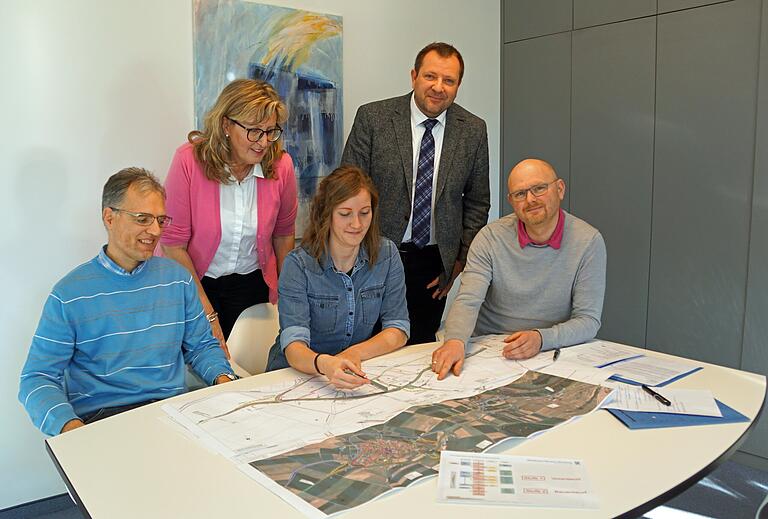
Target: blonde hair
[
  {"x": 242, "y": 99},
  {"x": 342, "y": 184}
]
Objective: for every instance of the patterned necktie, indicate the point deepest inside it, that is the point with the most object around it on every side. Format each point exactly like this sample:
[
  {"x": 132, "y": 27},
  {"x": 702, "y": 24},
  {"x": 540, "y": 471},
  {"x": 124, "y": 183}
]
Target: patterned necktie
[{"x": 422, "y": 200}]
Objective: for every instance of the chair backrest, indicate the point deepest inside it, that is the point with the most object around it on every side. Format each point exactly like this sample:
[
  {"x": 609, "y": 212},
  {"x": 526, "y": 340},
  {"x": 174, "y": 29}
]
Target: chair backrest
[{"x": 252, "y": 336}]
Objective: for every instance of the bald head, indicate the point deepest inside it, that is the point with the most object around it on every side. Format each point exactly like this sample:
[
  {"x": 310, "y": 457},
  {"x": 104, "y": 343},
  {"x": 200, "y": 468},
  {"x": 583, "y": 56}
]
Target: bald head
[
  {"x": 529, "y": 172},
  {"x": 535, "y": 193}
]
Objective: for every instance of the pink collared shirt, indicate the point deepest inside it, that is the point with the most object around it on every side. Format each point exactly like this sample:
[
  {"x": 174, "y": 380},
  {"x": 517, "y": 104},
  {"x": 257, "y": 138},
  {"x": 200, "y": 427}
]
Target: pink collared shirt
[
  {"x": 193, "y": 202},
  {"x": 554, "y": 241}
]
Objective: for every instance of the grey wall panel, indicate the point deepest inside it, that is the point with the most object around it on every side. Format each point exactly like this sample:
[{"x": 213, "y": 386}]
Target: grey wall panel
[
  {"x": 530, "y": 18},
  {"x": 755, "y": 350},
  {"x": 596, "y": 12},
  {"x": 612, "y": 161},
  {"x": 666, "y": 6},
  {"x": 704, "y": 147},
  {"x": 536, "y": 104}
]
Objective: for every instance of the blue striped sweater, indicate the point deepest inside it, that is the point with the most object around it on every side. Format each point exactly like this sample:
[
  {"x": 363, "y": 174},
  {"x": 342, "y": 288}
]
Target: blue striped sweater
[{"x": 109, "y": 338}]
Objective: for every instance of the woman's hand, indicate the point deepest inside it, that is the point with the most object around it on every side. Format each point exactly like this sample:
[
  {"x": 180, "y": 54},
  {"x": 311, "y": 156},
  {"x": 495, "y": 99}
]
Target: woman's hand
[
  {"x": 219, "y": 335},
  {"x": 342, "y": 372}
]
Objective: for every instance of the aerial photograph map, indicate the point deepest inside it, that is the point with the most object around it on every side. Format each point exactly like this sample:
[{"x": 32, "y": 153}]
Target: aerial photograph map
[{"x": 325, "y": 450}]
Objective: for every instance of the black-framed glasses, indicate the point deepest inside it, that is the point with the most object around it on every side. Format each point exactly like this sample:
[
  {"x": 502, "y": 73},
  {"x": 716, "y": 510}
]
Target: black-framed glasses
[
  {"x": 146, "y": 219},
  {"x": 537, "y": 191},
  {"x": 255, "y": 134}
]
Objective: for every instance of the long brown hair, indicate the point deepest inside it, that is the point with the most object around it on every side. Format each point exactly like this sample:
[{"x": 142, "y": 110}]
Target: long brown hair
[
  {"x": 242, "y": 99},
  {"x": 342, "y": 184}
]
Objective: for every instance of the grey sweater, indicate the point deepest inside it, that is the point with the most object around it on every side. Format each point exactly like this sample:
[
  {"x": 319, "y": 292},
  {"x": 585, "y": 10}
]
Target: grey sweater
[{"x": 558, "y": 292}]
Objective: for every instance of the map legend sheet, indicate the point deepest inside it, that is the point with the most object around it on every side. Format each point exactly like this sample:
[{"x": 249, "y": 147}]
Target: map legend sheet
[{"x": 513, "y": 480}]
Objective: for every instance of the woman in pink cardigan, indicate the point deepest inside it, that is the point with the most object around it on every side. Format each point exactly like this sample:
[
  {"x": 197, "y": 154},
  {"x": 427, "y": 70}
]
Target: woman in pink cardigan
[{"x": 232, "y": 195}]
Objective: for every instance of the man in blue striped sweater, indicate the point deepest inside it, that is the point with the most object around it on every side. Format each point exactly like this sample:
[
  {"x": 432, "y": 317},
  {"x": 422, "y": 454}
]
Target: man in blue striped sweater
[{"x": 116, "y": 332}]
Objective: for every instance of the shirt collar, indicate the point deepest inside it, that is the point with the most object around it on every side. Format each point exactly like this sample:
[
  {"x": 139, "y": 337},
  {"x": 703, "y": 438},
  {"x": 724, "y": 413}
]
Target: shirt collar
[
  {"x": 418, "y": 117},
  {"x": 554, "y": 241},
  {"x": 255, "y": 171},
  {"x": 362, "y": 259},
  {"x": 111, "y": 266}
]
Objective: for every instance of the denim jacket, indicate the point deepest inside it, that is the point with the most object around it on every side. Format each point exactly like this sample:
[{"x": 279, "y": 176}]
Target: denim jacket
[{"x": 330, "y": 310}]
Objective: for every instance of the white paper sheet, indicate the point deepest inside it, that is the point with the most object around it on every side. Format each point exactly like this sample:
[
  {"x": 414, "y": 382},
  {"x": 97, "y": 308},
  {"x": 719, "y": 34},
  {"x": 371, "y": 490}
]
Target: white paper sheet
[
  {"x": 684, "y": 401},
  {"x": 652, "y": 371},
  {"x": 514, "y": 480}
]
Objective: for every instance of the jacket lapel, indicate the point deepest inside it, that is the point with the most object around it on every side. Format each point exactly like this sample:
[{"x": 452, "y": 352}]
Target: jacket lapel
[
  {"x": 401, "y": 124},
  {"x": 451, "y": 136}
]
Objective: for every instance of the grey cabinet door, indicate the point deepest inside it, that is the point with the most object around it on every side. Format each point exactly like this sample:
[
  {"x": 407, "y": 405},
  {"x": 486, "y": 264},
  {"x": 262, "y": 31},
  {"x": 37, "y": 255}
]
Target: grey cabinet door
[
  {"x": 612, "y": 161},
  {"x": 536, "y": 105},
  {"x": 595, "y": 12},
  {"x": 666, "y": 6},
  {"x": 704, "y": 148},
  {"x": 531, "y": 18},
  {"x": 755, "y": 350}
]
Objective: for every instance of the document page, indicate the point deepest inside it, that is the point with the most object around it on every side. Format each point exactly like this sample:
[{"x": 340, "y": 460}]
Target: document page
[
  {"x": 598, "y": 353},
  {"x": 683, "y": 401},
  {"x": 652, "y": 371},
  {"x": 514, "y": 480}
]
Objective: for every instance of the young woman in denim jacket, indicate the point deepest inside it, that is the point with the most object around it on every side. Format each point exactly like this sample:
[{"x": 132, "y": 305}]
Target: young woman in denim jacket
[{"x": 342, "y": 284}]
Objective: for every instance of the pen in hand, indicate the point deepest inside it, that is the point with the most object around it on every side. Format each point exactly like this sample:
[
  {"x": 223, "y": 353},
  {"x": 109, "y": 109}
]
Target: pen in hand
[
  {"x": 556, "y": 355},
  {"x": 655, "y": 395},
  {"x": 373, "y": 382}
]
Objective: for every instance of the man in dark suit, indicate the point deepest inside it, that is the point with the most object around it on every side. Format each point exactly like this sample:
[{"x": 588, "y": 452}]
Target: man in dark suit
[{"x": 429, "y": 160}]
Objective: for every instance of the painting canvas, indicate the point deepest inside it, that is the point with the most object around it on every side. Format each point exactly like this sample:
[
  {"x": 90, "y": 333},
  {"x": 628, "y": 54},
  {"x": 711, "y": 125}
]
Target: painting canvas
[{"x": 300, "y": 54}]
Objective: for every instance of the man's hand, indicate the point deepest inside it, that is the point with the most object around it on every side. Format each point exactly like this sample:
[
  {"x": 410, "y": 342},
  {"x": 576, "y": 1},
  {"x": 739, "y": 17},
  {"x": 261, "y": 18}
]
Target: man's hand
[
  {"x": 449, "y": 355},
  {"x": 72, "y": 424},
  {"x": 342, "y": 372},
  {"x": 522, "y": 345},
  {"x": 440, "y": 293},
  {"x": 221, "y": 379}
]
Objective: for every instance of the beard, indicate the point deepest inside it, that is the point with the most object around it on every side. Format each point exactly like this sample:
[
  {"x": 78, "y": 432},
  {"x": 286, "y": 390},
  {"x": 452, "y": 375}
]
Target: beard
[{"x": 530, "y": 218}]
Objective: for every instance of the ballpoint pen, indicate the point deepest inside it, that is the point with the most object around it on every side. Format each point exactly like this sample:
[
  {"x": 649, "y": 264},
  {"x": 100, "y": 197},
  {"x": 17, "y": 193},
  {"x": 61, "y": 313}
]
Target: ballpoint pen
[
  {"x": 655, "y": 395},
  {"x": 556, "y": 355},
  {"x": 373, "y": 382}
]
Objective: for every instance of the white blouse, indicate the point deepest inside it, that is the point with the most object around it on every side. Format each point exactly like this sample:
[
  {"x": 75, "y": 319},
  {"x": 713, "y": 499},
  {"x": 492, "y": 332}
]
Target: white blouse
[{"x": 237, "y": 253}]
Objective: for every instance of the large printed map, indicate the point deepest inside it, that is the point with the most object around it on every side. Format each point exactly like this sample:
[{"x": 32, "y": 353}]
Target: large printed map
[{"x": 324, "y": 450}]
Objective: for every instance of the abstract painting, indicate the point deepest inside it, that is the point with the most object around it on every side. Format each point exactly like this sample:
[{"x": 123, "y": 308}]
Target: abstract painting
[{"x": 300, "y": 54}]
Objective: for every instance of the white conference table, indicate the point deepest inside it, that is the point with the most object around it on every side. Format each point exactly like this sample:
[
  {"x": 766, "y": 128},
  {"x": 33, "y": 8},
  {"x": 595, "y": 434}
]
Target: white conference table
[{"x": 138, "y": 465}]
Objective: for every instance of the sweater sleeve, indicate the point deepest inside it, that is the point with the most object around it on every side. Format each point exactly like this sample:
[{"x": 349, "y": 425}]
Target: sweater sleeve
[
  {"x": 201, "y": 350},
  {"x": 586, "y": 302},
  {"x": 475, "y": 281},
  {"x": 178, "y": 203},
  {"x": 41, "y": 389},
  {"x": 285, "y": 224}
]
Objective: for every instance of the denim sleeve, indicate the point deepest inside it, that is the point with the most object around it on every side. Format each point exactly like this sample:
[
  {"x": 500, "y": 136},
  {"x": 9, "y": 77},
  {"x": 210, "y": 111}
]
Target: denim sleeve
[
  {"x": 394, "y": 309},
  {"x": 292, "y": 303}
]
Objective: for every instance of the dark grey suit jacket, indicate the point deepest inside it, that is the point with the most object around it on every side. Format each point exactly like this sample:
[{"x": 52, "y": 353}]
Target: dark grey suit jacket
[{"x": 380, "y": 143}]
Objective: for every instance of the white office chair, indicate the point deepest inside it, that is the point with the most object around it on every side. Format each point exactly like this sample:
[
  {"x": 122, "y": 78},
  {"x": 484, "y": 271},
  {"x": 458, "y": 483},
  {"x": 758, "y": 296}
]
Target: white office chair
[{"x": 251, "y": 337}]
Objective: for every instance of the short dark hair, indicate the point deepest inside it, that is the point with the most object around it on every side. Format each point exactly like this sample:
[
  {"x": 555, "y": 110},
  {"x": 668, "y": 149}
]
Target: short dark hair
[
  {"x": 119, "y": 183},
  {"x": 342, "y": 184},
  {"x": 444, "y": 50}
]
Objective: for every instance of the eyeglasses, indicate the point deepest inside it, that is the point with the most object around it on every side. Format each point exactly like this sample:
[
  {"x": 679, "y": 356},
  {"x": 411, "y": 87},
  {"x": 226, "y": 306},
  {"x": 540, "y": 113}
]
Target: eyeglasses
[
  {"x": 537, "y": 191},
  {"x": 146, "y": 219},
  {"x": 255, "y": 134}
]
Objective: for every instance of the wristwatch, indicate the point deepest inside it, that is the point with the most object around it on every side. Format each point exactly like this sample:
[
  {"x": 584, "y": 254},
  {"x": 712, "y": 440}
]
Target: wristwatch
[{"x": 230, "y": 376}]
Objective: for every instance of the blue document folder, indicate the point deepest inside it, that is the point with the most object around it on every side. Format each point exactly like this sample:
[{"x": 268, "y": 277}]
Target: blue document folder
[{"x": 645, "y": 420}]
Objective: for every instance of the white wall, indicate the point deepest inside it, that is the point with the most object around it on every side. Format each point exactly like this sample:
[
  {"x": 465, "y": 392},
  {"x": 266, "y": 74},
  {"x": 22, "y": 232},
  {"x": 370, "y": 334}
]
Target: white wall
[{"x": 89, "y": 87}]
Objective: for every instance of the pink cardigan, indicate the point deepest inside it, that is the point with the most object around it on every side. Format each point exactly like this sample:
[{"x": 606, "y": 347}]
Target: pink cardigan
[{"x": 193, "y": 203}]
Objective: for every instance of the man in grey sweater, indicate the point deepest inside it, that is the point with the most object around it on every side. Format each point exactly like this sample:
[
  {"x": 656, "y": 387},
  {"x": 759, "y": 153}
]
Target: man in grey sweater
[{"x": 537, "y": 275}]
